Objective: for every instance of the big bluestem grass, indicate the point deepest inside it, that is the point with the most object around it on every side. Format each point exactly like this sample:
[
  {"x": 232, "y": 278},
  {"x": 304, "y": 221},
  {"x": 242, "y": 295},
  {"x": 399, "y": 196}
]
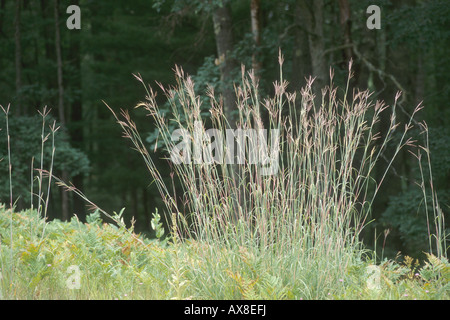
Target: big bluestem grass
[{"x": 302, "y": 223}]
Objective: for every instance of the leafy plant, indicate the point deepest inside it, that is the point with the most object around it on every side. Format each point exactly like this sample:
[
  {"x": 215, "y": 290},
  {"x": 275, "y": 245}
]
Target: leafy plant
[
  {"x": 436, "y": 268},
  {"x": 94, "y": 218},
  {"x": 157, "y": 225}
]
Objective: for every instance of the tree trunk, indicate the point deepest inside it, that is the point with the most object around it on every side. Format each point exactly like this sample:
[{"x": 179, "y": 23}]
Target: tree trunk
[
  {"x": 312, "y": 15},
  {"x": 256, "y": 32},
  {"x": 346, "y": 29},
  {"x": 59, "y": 66},
  {"x": 2, "y": 14},
  {"x": 346, "y": 24},
  {"x": 224, "y": 42},
  {"x": 76, "y": 115},
  {"x": 62, "y": 120},
  {"x": 47, "y": 31},
  {"x": 300, "y": 53},
  {"x": 18, "y": 59}
]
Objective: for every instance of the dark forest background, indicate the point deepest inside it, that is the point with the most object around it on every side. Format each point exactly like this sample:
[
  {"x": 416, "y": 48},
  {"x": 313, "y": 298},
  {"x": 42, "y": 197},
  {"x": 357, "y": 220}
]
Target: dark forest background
[{"x": 43, "y": 63}]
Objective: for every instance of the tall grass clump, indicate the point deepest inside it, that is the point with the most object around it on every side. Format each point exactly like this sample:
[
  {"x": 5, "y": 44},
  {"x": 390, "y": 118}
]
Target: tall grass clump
[
  {"x": 295, "y": 232},
  {"x": 38, "y": 195}
]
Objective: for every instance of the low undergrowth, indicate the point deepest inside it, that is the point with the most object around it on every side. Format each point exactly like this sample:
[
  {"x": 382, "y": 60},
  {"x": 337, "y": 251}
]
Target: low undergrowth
[{"x": 96, "y": 260}]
